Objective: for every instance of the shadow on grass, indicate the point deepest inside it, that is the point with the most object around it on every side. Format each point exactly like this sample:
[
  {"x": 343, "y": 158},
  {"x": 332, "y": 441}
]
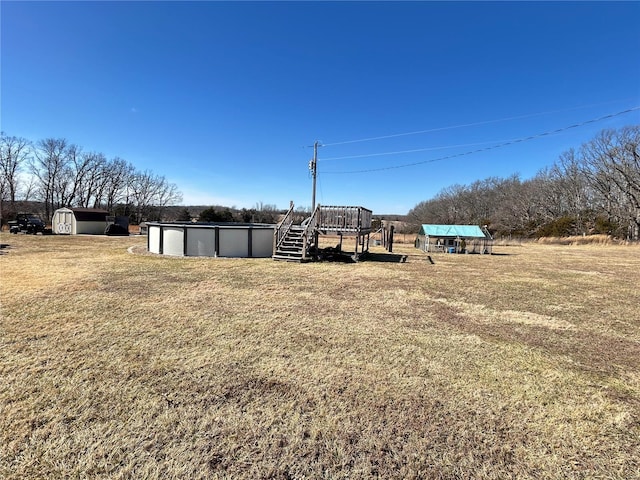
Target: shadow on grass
[
  {"x": 384, "y": 257},
  {"x": 335, "y": 255}
]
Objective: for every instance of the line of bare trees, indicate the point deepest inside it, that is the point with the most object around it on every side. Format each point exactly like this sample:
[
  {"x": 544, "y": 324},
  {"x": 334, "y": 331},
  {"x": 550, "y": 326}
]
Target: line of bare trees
[
  {"x": 594, "y": 189},
  {"x": 59, "y": 174}
]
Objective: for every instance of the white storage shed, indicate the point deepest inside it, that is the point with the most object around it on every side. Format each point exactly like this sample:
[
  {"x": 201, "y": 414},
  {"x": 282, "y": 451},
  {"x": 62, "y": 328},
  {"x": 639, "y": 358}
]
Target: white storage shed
[{"x": 76, "y": 221}]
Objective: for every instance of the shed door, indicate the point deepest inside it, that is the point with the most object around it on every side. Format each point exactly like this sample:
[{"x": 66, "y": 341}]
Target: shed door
[{"x": 64, "y": 222}]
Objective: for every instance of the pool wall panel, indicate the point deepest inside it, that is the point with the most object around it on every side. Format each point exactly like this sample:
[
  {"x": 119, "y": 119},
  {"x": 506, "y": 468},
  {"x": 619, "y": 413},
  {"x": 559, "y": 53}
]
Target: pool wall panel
[
  {"x": 233, "y": 243},
  {"x": 173, "y": 242},
  {"x": 201, "y": 242},
  {"x": 262, "y": 243},
  {"x": 153, "y": 238}
]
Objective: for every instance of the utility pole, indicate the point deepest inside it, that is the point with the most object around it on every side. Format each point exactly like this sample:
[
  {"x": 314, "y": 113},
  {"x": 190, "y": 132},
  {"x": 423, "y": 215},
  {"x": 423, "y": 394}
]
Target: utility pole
[{"x": 313, "y": 166}]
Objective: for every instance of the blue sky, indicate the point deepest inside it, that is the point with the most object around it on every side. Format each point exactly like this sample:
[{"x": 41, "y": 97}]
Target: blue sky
[{"x": 225, "y": 99}]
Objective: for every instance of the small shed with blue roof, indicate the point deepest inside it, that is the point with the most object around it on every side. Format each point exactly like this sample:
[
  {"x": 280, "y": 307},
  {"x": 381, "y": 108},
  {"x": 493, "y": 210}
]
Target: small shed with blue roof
[{"x": 454, "y": 239}]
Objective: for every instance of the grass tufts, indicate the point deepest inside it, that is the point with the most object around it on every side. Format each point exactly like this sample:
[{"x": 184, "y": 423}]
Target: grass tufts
[{"x": 115, "y": 364}]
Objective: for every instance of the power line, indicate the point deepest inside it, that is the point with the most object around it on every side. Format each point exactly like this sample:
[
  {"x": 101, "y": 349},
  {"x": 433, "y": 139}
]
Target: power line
[
  {"x": 463, "y": 125},
  {"x": 493, "y": 147},
  {"x": 443, "y": 147}
]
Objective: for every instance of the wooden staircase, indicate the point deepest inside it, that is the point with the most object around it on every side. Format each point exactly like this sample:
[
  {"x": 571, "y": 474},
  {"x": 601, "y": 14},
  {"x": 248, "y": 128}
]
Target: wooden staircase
[
  {"x": 295, "y": 242},
  {"x": 291, "y": 248}
]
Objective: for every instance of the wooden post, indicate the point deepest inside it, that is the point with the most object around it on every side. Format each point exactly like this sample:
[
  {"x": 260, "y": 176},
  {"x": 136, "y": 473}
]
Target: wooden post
[{"x": 390, "y": 249}]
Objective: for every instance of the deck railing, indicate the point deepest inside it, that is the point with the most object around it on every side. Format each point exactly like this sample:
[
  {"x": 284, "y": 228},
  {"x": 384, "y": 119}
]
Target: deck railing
[
  {"x": 282, "y": 228},
  {"x": 309, "y": 234},
  {"x": 344, "y": 219}
]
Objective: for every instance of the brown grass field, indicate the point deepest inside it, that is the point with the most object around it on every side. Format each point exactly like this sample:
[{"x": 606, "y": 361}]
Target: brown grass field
[{"x": 521, "y": 364}]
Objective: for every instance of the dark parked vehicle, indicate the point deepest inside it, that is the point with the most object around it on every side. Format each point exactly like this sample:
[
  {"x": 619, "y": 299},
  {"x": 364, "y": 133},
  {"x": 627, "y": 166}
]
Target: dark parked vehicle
[{"x": 27, "y": 223}]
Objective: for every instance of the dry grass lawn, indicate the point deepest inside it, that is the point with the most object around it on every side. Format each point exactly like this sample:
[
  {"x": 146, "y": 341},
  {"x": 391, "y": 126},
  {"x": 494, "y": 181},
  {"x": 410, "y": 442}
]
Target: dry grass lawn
[{"x": 524, "y": 364}]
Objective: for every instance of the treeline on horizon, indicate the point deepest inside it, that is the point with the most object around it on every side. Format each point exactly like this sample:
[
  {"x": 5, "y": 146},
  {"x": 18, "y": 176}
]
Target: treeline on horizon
[
  {"x": 594, "y": 189},
  {"x": 260, "y": 213},
  {"x": 55, "y": 173},
  {"x": 40, "y": 177}
]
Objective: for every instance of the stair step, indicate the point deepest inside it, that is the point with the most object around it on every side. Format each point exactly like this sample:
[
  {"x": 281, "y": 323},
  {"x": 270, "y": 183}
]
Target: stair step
[
  {"x": 292, "y": 244},
  {"x": 290, "y": 247},
  {"x": 288, "y": 258},
  {"x": 284, "y": 251}
]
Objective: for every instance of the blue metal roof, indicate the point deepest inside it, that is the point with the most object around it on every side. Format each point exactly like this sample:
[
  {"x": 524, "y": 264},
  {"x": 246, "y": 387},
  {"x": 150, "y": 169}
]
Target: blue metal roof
[{"x": 467, "y": 231}]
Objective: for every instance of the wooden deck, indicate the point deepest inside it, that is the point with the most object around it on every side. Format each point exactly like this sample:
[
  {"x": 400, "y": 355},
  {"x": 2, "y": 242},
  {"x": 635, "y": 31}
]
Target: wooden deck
[{"x": 300, "y": 242}]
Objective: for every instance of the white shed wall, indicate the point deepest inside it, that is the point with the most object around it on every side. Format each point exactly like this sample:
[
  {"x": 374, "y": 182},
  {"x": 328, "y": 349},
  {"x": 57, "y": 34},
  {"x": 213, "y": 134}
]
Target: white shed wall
[{"x": 89, "y": 228}]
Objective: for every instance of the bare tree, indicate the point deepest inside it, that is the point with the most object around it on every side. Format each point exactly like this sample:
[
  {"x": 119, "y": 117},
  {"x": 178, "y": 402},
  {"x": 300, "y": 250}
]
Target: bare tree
[
  {"x": 601, "y": 180},
  {"x": 150, "y": 193},
  {"x": 166, "y": 194},
  {"x": 89, "y": 172},
  {"x": 611, "y": 163},
  {"x": 48, "y": 164},
  {"x": 67, "y": 183},
  {"x": 117, "y": 177},
  {"x": 14, "y": 153},
  {"x": 61, "y": 174}
]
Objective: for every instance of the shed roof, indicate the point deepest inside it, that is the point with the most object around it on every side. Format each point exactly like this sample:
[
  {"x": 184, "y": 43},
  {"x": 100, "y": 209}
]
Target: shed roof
[
  {"x": 90, "y": 214},
  {"x": 467, "y": 231}
]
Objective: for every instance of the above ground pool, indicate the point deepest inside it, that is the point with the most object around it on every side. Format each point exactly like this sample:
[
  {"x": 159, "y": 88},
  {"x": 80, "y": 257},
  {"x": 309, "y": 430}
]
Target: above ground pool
[{"x": 246, "y": 240}]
